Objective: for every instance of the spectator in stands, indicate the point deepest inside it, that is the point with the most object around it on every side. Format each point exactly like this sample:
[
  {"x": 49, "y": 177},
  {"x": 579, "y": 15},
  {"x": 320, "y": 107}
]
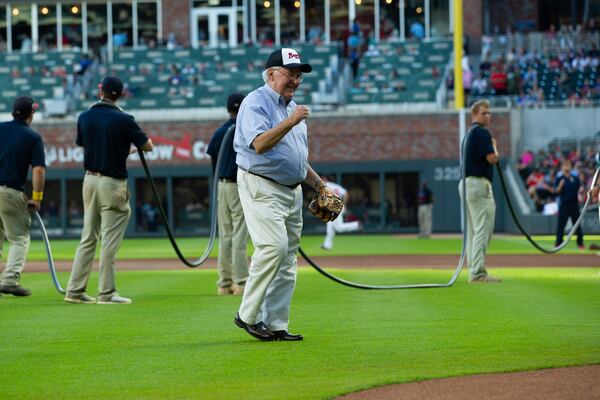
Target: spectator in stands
[
  {"x": 480, "y": 86},
  {"x": 417, "y": 30},
  {"x": 499, "y": 80},
  {"x": 354, "y": 43},
  {"x": 172, "y": 41},
  {"x": 567, "y": 188},
  {"x": 525, "y": 166}
]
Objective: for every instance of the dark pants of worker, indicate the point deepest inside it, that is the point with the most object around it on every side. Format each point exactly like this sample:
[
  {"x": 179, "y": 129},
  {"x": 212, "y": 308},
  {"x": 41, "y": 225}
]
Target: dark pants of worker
[{"x": 564, "y": 213}]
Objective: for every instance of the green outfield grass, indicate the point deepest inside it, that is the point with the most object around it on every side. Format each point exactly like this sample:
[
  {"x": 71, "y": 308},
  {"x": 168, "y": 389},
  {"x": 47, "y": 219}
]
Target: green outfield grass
[
  {"x": 345, "y": 245},
  {"x": 177, "y": 340}
]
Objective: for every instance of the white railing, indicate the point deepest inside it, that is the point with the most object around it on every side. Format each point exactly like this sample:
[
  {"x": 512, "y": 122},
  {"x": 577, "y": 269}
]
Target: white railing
[{"x": 540, "y": 41}]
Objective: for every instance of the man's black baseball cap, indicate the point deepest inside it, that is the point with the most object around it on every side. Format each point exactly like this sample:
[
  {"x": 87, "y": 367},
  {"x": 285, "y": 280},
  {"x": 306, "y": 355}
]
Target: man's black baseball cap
[
  {"x": 234, "y": 101},
  {"x": 23, "y": 107},
  {"x": 288, "y": 58},
  {"x": 113, "y": 86}
]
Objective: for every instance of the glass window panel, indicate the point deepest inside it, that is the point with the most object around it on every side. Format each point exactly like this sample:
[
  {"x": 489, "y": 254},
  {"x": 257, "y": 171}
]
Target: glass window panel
[
  {"x": 71, "y": 26},
  {"x": 191, "y": 204},
  {"x": 401, "y": 189},
  {"x": 147, "y": 216},
  {"x": 223, "y": 29},
  {"x": 203, "y": 31},
  {"x": 390, "y": 14},
  {"x": 440, "y": 13},
  {"x": 290, "y": 21},
  {"x": 122, "y": 25},
  {"x": 265, "y": 22},
  {"x": 21, "y": 27},
  {"x": 414, "y": 15},
  {"x": 147, "y": 24},
  {"x": 339, "y": 19},
  {"x": 97, "y": 26},
  {"x": 363, "y": 198},
  {"x": 47, "y": 26},
  {"x": 315, "y": 21},
  {"x": 365, "y": 11}
]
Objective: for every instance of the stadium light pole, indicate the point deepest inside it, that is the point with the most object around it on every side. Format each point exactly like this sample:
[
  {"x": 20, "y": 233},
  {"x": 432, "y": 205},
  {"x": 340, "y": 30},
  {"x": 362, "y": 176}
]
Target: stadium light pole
[{"x": 459, "y": 94}]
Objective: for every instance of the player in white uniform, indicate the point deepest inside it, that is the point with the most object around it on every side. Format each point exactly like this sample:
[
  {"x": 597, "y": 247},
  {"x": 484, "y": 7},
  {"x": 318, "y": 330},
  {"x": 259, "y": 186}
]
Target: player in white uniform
[{"x": 338, "y": 225}]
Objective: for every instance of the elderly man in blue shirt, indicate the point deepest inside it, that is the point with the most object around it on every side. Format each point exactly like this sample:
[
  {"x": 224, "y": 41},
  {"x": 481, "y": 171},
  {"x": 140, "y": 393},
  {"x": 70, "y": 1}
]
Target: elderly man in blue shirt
[{"x": 272, "y": 158}]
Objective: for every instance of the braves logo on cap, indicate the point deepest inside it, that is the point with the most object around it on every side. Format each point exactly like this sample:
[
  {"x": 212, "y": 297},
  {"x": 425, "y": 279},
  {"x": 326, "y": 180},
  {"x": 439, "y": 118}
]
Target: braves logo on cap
[{"x": 290, "y": 56}]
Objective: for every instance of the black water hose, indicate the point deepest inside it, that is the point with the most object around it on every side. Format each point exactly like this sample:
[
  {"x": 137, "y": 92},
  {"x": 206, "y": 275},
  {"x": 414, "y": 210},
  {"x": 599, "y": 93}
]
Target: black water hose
[
  {"x": 417, "y": 285},
  {"x": 213, "y": 202},
  {"x": 51, "y": 266},
  {"x": 555, "y": 249}
]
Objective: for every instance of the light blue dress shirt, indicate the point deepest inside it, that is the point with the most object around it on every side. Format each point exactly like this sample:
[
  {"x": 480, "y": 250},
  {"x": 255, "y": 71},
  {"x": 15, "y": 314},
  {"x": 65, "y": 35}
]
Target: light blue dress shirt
[{"x": 287, "y": 161}]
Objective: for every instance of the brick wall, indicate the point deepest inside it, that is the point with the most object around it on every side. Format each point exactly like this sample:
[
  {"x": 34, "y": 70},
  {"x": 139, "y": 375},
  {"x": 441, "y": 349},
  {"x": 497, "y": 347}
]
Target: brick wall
[
  {"x": 473, "y": 18},
  {"x": 176, "y": 19},
  {"x": 406, "y": 137}
]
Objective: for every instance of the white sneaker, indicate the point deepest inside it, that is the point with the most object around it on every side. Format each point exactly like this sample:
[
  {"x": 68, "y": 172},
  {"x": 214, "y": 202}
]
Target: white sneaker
[{"x": 114, "y": 299}]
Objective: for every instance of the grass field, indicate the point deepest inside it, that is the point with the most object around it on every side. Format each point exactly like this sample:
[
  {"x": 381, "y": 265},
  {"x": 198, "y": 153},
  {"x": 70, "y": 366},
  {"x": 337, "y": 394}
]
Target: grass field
[
  {"x": 346, "y": 245},
  {"x": 177, "y": 340}
]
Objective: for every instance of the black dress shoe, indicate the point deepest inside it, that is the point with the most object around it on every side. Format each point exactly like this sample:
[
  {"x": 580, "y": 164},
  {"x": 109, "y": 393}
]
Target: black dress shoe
[
  {"x": 285, "y": 335},
  {"x": 16, "y": 290},
  {"x": 259, "y": 331}
]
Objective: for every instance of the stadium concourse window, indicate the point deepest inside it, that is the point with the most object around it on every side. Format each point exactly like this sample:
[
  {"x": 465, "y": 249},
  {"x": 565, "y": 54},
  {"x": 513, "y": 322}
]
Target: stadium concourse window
[
  {"x": 364, "y": 198},
  {"x": 147, "y": 215},
  {"x": 74, "y": 206},
  {"x": 339, "y": 19},
  {"x": 21, "y": 28},
  {"x": 147, "y": 24},
  {"x": 290, "y": 22},
  {"x": 265, "y": 23},
  {"x": 390, "y": 19},
  {"x": 401, "y": 189},
  {"x": 414, "y": 15},
  {"x": 191, "y": 204},
  {"x": 440, "y": 18},
  {"x": 47, "y": 31},
  {"x": 315, "y": 22},
  {"x": 71, "y": 26},
  {"x": 122, "y": 25},
  {"x": 97, "y": 28}
]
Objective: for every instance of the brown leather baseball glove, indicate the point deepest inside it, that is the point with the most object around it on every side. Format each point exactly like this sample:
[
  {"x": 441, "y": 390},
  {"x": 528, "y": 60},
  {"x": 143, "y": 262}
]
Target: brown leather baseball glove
[{"x": 325, "y": 205}]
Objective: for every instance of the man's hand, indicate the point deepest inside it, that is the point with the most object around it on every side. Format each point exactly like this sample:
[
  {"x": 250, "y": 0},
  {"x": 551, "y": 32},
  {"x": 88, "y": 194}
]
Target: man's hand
[
  {"x": 34, "y": 204},
  {"x": 300, "y": 113}
]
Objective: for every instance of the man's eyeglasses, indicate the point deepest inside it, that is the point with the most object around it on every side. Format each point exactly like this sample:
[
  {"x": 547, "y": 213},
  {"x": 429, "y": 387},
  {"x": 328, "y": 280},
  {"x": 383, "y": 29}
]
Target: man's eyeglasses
[{"x": 295, "y": 77}]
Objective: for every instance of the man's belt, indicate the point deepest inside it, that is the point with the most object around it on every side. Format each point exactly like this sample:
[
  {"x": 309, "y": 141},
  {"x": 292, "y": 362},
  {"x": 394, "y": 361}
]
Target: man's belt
[
  {"x": 93, "y": 173},
  {"x": 292, "y": 186}
]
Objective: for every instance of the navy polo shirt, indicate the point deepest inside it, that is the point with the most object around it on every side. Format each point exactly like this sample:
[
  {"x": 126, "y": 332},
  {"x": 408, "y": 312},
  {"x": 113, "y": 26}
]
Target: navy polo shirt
[
  {"x": 228, "y": 168},
  {"x": 478, "y": 146},
  {"x": 106, "y": 134},
  {"x": 20, "y": 147},
  {"x": 568, "y": 194}
]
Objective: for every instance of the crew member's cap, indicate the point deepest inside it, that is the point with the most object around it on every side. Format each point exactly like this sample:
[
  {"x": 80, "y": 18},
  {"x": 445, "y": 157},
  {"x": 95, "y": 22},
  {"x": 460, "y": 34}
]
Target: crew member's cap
[
  {"x": 24, "y": 106},
  {"x": 288, "y": 58},
  {"x": 234, "y": 101},
  {"x": 112, "y": 85}
]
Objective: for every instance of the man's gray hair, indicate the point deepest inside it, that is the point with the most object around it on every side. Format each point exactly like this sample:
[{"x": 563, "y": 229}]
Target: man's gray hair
[{"x": 265, "y": 75}]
